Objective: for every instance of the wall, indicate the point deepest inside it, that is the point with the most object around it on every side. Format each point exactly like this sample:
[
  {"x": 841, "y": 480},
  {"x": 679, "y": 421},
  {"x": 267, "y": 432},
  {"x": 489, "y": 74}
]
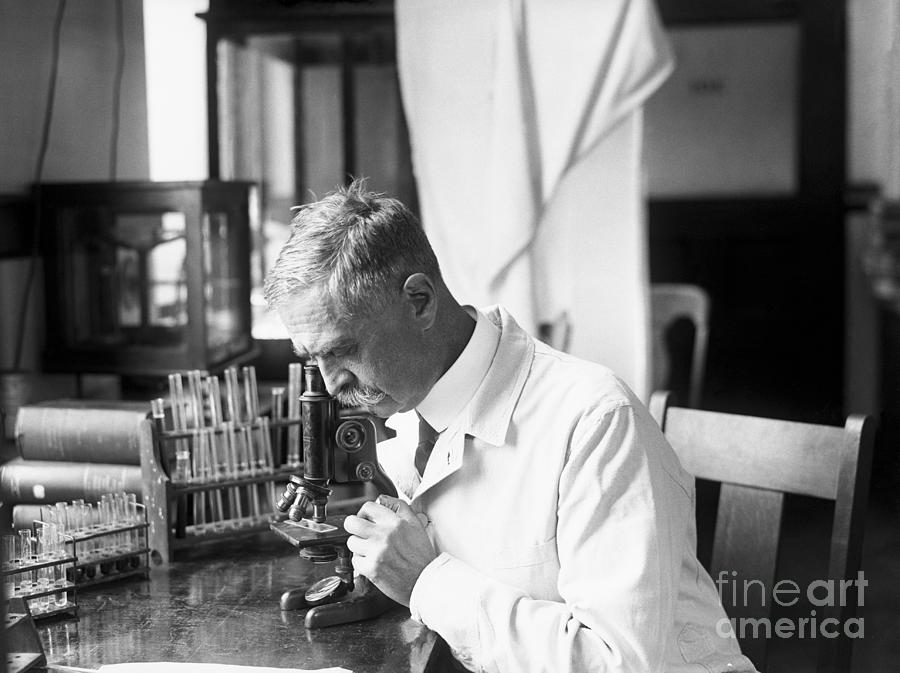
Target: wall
[
  {"x": 873, "y": 97},
  {"x": 80, "y": 134},
  {"x": 79, "y": 145},
  {"x": 873, "y": 144},
  {"x": 175, "y": 47}
]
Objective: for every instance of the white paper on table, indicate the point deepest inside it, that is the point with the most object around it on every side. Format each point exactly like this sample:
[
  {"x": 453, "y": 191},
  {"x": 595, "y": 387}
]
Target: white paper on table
[{"x": 183, "y": 667}]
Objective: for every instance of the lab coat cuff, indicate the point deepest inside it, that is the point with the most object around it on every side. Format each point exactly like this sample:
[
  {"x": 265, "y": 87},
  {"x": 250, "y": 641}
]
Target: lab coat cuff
[
  {"x": 446, "y": 598},
  {"x": 427, "y": 589}
]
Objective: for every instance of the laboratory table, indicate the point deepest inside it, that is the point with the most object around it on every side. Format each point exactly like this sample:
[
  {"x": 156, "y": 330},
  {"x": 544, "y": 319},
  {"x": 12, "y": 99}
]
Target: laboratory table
[{"x": 219, "y": 604}]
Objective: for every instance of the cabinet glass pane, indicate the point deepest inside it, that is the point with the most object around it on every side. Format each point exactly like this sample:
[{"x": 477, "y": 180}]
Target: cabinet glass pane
[
  {"x": 124, "y": 277},
  {"x": 222, "y": 287}
]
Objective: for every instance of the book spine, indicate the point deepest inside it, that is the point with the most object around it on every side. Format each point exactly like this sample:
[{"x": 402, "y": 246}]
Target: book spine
[
  {"x": 77, "y": 434},
  {"x": 43, "y": 481},
  {"x": 24, "y": 516}
]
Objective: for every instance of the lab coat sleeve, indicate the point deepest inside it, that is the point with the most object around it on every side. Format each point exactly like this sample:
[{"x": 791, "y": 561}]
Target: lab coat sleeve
[{"x": 621, "y": 529}]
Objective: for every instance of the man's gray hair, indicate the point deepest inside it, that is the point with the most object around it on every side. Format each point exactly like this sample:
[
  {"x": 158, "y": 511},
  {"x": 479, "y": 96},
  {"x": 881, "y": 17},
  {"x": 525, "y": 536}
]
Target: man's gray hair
[{"x": 358, "y": 246}]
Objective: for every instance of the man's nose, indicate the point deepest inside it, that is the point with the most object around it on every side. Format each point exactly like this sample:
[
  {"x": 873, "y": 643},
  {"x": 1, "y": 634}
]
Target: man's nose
[{"x": 335, "y": 378}]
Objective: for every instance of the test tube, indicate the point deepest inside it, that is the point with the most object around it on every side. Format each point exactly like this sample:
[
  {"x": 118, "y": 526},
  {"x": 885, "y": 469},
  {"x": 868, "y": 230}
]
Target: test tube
[
  {"x": 232, "y": 395},
  {"x": 269, "y": 491},
  {"x": 266, "y": 458},
  {"x": 45, "y": 548},
  {"x": 120, "y": 506},
  {"x": 91, "y": 547},
  {"x": 216, "y": 510},
  {"x": 26, "y": 553},
  {"x": 214, "y": 469},
  {"x": 235, "y": 511},
  {"x": 176, "y": 392},
  {"x": 215, "y": 401},
  {"x": 182, "y": 447},
  {"x": 250, "y": 459},
  {"x": 295, "y": 389},
  {"x": 251, "y": 393},
  {"x": 60, "y": 598},
  {"x": 218, "y": 451},
  {"x": 75, "y": 513},
  {"x": 195, "y": 397},
  {"x": 9, "y": 563},
  {"x": 201, "y": 461},
  {"x": 134, "y": 519},
  {"x": 277, "y": 438},
  {"x": 63, "y": 521},
  {"x": 105, "y": 542},
  {"x": 219, "y": 468},
  {"x": 242, "y": 448}
]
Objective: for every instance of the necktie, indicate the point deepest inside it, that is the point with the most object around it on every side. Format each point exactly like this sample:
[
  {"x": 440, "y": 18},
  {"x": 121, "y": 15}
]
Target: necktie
[{"x": 427, "y": 438}]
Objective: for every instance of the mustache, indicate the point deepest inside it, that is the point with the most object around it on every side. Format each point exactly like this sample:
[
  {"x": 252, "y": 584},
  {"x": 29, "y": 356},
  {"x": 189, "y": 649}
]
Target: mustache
[{"x": 360, "y": 396}]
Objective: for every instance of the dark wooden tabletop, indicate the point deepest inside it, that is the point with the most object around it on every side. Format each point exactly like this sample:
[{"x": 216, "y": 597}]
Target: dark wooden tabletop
[{"x": 220, "y": 605}]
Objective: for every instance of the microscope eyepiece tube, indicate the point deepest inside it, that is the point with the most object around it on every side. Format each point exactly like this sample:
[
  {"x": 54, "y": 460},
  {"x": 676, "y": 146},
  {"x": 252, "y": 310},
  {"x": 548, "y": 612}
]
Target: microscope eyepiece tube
[{"x": 317, "y": 411}]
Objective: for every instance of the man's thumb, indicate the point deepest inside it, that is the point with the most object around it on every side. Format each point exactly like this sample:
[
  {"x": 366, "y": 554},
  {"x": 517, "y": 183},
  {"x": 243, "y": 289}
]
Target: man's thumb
[{"x": 390, "y": 502}]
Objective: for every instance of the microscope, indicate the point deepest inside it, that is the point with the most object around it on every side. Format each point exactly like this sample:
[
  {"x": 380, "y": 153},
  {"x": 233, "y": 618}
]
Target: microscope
[{"x": 338, "y": 447}]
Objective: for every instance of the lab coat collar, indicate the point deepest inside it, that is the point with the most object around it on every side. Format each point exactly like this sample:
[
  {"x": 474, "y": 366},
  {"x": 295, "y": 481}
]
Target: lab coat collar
[
  {"x": 489, "y": 413},
  {"x": 450, "y": 395}
]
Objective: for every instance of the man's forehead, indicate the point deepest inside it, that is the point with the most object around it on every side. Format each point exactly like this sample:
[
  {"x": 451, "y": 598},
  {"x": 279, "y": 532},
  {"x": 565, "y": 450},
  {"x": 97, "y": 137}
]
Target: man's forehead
[{"x": 316, "y": 326}]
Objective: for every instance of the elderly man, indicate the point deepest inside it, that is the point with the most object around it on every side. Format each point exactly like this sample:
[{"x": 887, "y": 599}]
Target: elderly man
[{"x": 549, "y": 526}]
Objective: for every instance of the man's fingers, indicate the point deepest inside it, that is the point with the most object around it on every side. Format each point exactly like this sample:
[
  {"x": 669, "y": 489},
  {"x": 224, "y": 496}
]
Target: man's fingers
[
  {"x": 390, "y": 502},
  {"x": 402, "y": 509},
  {"x": 357, "y": 545},
  {"x": 376, "y": 512},
  {"x": 362, "y": 565},
  {"x": 357, "y": 525}
]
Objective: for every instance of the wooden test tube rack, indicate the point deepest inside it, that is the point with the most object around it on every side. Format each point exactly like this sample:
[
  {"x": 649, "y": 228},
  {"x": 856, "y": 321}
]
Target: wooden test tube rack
[
  {"x": 167, "y": 502},
  {"x": 116, "y": 565}
]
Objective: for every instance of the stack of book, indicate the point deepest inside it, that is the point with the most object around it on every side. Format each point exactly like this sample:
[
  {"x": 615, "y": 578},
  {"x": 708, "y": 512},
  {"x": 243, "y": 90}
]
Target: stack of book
[{"x": 70, "y": 450}]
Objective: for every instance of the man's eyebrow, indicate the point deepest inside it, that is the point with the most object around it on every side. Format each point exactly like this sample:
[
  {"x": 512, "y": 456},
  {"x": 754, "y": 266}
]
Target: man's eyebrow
[{"x": 324, "y": 348}]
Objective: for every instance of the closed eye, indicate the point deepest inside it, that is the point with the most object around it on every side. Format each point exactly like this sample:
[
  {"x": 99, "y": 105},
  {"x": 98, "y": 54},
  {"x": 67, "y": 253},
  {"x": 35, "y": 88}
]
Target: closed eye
[{"x": 342, "y": 351}]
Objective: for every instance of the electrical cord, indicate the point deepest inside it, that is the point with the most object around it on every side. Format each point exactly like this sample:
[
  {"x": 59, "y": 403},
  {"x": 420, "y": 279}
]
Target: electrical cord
[{"x": 38, "y": 176}]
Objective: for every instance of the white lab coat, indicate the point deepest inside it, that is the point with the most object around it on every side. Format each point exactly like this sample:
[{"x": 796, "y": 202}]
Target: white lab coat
[{"x": 565, "y": 528}]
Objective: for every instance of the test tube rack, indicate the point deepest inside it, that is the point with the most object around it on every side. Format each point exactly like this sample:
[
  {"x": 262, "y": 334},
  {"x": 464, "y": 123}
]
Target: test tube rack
[
  {"x": 173, "y": 508},
  {"x": 105, "y": 554},
  {"x": 41, "y": 599},
  {"x": 100, "y": 554}
]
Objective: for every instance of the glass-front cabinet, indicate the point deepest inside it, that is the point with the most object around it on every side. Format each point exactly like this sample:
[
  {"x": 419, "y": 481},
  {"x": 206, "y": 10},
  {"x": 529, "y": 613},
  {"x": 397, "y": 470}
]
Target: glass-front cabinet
[{"x": 146, "y": 278}]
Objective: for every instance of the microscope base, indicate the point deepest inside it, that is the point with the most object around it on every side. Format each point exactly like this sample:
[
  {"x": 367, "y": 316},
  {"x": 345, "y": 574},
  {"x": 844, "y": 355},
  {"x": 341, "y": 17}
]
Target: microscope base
[{"x": 367, "y": 603}]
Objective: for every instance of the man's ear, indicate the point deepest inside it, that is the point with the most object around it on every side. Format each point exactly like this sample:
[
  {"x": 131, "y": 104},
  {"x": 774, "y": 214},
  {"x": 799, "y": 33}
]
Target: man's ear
[{"x": 420, "y": 295}]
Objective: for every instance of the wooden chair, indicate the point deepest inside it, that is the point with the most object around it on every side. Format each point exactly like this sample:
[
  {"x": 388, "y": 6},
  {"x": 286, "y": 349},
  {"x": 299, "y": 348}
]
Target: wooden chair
[
  {"x": 758, "y": 461},
  {"x": 670, "y": 302}
]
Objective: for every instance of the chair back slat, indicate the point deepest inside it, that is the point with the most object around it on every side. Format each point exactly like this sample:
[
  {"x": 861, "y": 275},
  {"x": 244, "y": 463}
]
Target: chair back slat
[
  {"x": 745, "y": 557},
  {"x": 798, "y": 458}
]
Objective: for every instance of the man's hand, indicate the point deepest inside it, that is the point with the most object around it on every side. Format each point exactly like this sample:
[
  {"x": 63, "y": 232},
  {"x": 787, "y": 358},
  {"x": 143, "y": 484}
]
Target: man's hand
[{"x": 389, "y": 545}]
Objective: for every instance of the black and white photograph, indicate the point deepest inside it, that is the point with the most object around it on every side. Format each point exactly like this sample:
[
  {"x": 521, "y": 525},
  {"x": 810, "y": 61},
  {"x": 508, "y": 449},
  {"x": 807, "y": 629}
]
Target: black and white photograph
[{"x": 434, "y": 336}]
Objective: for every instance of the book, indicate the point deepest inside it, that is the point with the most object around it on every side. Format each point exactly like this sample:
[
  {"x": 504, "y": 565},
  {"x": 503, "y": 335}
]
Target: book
[
  {"x": 23, "y": 516},
  {"x": 45, "y": 481},
  {"x": 92, "y": 431}
]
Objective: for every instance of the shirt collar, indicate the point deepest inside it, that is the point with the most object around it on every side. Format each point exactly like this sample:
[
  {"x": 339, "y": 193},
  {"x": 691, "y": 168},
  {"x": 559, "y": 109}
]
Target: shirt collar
[
  {"x": 490, "y": 410},
  {"x": 453, "y": 391}
]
